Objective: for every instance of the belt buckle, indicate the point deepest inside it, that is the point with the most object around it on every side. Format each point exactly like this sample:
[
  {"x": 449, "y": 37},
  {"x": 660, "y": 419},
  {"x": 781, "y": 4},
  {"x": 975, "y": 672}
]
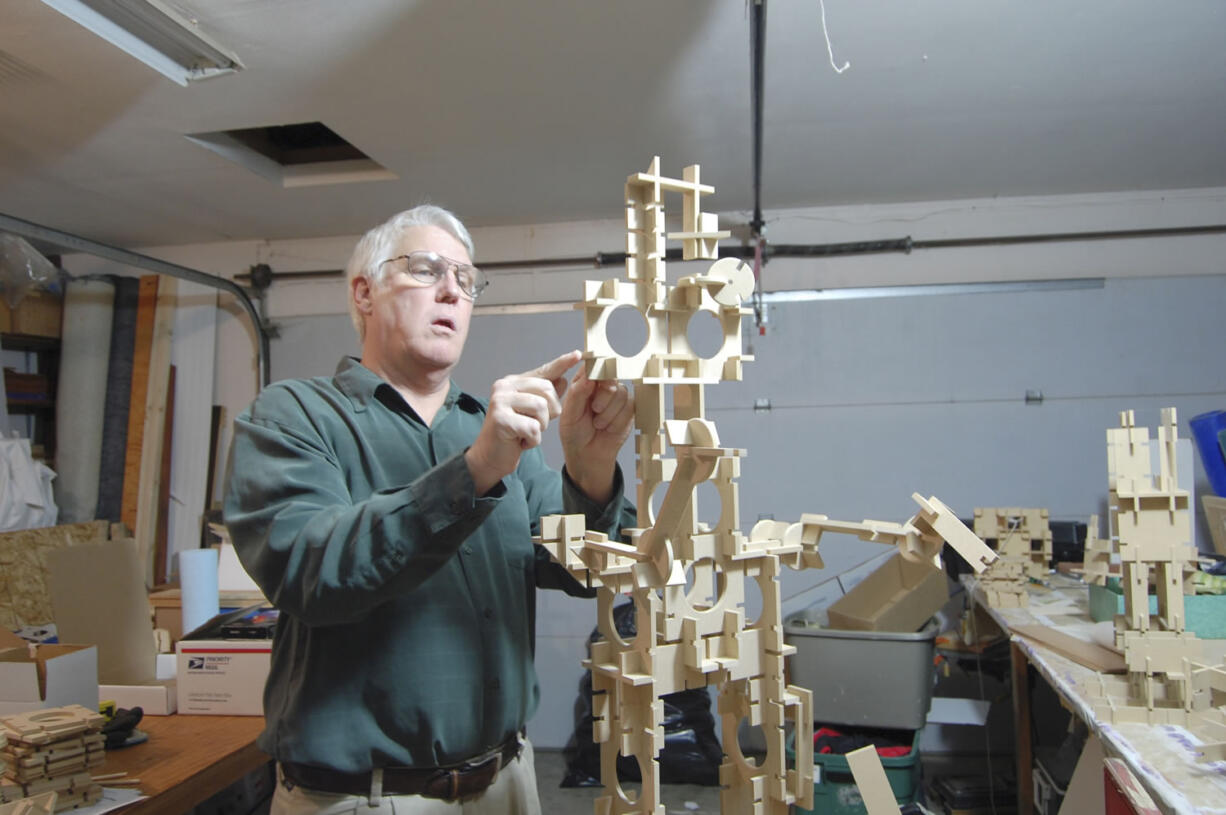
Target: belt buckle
[{"x": 470, "y": 767}]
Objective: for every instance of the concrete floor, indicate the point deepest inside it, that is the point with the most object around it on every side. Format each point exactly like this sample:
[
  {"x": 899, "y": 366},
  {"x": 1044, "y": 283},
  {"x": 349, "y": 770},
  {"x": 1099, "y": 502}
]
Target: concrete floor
[{"x": 678, "y": 799}]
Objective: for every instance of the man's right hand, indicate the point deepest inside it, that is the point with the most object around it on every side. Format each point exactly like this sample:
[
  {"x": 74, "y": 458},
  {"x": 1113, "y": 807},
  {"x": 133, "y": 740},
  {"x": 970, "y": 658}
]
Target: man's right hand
[{"x": 521, "y": 407}]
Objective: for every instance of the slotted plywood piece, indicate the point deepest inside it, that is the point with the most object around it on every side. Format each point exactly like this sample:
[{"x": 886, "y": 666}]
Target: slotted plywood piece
[
  {"x": 870, "y": 777},
  {"x": 38, "y": 805},
  {"x": 41, "y": 727}
]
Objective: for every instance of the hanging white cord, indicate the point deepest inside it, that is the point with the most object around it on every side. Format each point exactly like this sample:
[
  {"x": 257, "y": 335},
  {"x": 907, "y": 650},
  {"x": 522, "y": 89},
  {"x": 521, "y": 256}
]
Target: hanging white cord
[{"x": 829, "y": 47}]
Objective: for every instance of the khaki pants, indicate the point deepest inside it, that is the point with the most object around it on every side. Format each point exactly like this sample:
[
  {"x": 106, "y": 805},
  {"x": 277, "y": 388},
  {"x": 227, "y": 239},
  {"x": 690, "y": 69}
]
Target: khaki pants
[{"x": 512, "y": 793}]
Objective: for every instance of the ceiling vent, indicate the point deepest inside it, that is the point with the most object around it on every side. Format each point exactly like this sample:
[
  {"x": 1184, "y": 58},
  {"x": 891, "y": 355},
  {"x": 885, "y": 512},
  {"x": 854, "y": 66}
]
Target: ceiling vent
[{"x": 296, "y": 155}]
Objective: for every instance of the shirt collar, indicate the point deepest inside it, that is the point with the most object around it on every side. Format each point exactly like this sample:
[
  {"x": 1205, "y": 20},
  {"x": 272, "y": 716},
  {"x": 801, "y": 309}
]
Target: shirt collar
[{"x": 363, "y": 386}]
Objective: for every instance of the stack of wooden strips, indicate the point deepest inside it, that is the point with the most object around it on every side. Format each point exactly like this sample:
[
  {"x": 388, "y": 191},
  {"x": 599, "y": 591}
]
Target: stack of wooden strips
[
  {"x": 52, "y": 750},
  {"x": 37, "y": 805}
]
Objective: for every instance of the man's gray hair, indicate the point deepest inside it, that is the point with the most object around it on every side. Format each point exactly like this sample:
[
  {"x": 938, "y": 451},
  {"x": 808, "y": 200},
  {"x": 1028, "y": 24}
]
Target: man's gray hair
[{"x": 383, "y": 241}]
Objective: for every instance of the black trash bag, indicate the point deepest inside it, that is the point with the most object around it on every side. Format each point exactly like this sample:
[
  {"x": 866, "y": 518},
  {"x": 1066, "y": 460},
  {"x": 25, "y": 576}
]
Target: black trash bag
[{"x": 691, "y": 753}]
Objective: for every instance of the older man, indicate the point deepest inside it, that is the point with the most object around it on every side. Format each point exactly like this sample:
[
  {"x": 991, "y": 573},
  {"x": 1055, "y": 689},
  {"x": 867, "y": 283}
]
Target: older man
[{"x": 389, "y": 516}]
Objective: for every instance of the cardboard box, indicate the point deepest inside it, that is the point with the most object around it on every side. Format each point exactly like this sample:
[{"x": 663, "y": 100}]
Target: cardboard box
[
  {"x": 112, "y": 613},
  {"x": 222, "y": 677},
  {"x": 39, "y": 676},
  {"x": 157, "y": 697},
  {"x": 899, "y": 596}
]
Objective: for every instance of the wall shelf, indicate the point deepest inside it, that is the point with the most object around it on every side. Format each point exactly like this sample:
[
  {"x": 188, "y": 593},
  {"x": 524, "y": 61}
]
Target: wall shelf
[{"x": 33, "y": 394}]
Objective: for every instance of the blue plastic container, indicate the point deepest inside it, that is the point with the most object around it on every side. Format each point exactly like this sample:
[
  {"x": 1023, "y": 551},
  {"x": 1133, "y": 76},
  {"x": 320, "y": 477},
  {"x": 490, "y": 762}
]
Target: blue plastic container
[{"x": 1207, "y": 430}]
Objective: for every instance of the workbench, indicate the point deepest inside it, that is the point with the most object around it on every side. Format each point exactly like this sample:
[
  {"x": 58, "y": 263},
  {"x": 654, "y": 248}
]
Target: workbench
[
  {"x": 187, "y": 759},
  {"x": 1161, "y": 757}
]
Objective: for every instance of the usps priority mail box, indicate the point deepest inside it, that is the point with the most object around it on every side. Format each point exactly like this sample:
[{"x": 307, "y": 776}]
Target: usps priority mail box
[{"x": 222, "y": 677}]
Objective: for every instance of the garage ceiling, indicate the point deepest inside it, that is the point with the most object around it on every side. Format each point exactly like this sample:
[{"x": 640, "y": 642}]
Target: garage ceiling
[{"x": 535, "y": 110}]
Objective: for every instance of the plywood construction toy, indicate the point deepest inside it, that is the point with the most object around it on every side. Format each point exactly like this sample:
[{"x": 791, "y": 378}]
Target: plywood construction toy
[
  {"x": 52, "y": 751},
  {"x": 1096, "y": 567},
  {"x": 1021, "y": 534},
  {"x": 1166, "y": 681},
  {"x": 687, "y": 579},
  {"x": 1024, "y": 546}
]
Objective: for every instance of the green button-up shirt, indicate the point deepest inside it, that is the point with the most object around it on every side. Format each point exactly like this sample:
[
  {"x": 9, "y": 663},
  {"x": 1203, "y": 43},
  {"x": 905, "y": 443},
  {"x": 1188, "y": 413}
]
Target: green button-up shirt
[{"x": 407, "y": 602}]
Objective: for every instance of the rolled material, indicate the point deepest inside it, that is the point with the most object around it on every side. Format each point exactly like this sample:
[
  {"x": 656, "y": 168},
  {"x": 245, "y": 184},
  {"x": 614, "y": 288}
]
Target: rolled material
[
  {"x": 80, "y": 396},
  {"x": 115, "y": 416},
  {"x": 198, "y": 580}
]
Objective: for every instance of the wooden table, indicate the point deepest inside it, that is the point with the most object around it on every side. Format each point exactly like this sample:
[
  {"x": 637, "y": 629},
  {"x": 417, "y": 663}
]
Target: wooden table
[
  {"x": 1160, "y": 756},
  {"x": 187, "y": 759}
]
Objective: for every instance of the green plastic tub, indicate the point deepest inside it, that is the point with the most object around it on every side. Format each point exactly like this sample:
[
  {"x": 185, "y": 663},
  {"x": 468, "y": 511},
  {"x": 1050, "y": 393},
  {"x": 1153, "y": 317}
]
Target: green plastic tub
[{"x": 834, "y": 788}]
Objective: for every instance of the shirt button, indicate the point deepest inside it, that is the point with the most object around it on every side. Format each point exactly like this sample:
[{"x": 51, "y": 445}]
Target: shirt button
[{"x": 489, "y": 613}]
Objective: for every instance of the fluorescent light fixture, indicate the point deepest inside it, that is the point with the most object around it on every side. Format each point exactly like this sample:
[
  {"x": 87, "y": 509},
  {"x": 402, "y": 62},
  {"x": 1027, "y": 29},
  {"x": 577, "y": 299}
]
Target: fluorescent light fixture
[{"x": 154, "y": 33}]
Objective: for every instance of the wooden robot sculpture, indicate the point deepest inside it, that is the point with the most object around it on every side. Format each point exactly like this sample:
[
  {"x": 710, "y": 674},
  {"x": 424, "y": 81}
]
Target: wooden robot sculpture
[
  {"x": 685, "y": 578},
  {"x": 1167, "y": 682},
  {"x": 1024, "y": 545}
]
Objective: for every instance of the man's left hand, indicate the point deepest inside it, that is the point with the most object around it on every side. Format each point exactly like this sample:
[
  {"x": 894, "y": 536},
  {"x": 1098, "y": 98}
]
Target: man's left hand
[{"x": 597, "y": 417}]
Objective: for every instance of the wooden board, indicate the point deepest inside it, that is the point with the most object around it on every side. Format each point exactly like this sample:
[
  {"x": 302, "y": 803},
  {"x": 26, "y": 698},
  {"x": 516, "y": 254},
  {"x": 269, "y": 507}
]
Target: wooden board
[
  {"x": 216, "y": 420},
  {"x": 870, "y": 777},
  {"x": 24, "y": 596},
  {"x": 162, "y": 537},
  {"x": 1090, "y": 654},
  {"x": 153, "y": 429},
  {"x": 1215, "y": 516},
  {"x": 146, "y": 311}
]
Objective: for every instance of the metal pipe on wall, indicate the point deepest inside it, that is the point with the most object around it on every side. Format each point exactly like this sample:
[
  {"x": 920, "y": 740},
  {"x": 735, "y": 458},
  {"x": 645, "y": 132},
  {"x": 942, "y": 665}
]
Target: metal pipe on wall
[
  {"x": 76, "y": 243},
  {"x": 904, "y": 245}
]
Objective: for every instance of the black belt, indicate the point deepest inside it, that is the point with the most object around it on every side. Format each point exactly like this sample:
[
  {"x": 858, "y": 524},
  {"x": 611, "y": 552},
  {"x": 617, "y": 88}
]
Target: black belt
[{"x": 460, "y": 781}]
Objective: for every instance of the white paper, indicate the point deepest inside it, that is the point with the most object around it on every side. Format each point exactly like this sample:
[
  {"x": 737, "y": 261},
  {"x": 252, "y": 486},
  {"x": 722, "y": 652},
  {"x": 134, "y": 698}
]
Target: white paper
[
  {"x": 112, "y": 798},
  {"x": 947, "y": 710}
]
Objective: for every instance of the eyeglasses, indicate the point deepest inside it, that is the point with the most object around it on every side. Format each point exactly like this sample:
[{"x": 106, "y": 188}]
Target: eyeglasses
[{"x": 429, "y": 268}]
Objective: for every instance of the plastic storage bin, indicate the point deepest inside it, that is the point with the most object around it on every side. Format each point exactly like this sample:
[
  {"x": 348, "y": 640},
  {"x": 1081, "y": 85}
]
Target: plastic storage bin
[
  {"x": 834, "y": 787},
  {"x": 863, "y": 678},
  {"x": 1207, "y": 430}
]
